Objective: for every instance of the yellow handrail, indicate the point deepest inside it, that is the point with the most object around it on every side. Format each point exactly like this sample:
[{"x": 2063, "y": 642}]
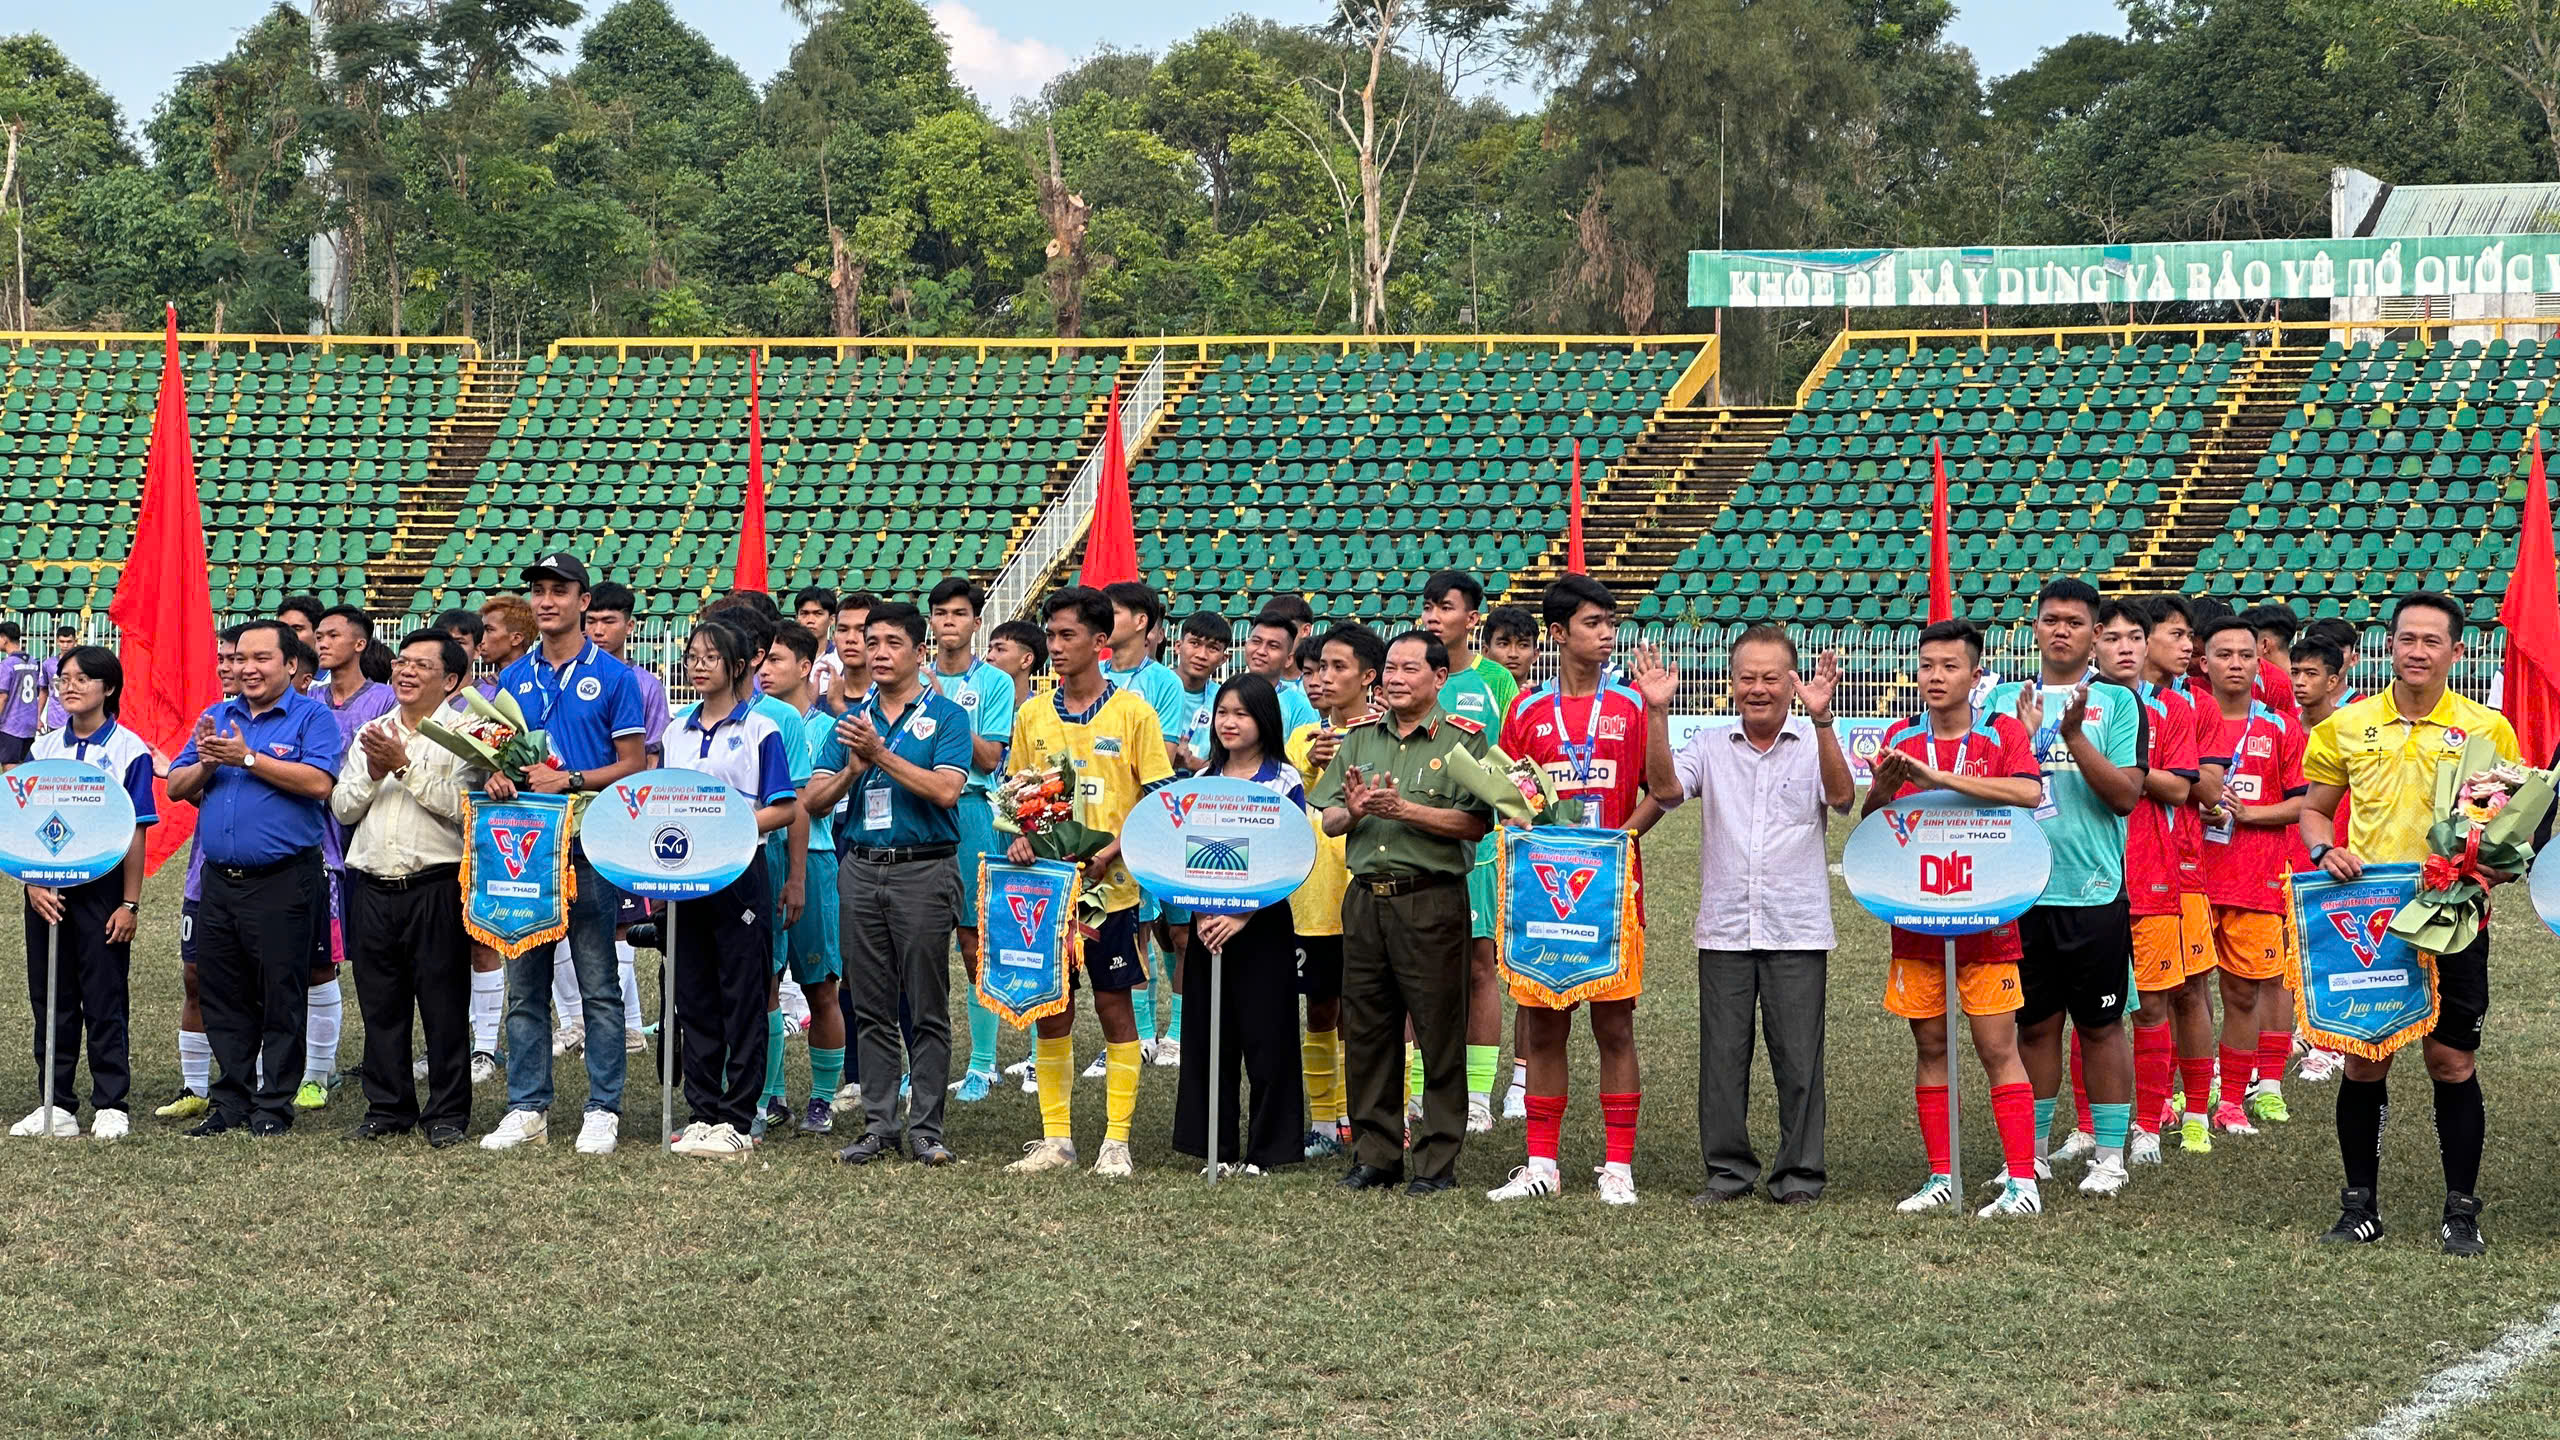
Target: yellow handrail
[
  {"x": 325, "y": 343},
  {"x": 1830, "y": 356},
  {"x": 1702, "y": 368},
  {"x": 1130, "y": 346}
]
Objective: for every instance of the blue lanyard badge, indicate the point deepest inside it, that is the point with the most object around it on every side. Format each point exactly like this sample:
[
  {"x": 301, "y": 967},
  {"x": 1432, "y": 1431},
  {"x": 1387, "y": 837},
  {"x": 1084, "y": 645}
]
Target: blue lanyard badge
[{"x": 1578, "y": 758}]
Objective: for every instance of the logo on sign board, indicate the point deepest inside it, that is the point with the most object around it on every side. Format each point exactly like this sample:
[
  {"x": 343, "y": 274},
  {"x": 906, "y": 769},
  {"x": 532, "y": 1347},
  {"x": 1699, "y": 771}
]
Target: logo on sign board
[
  {"x": 55, "y": 832},
  {"x": 1028, "y": 912},
  {"x": 1903, "y": 823},
  {"x": 1946, "y": 874},
  {"x": 1564, "y": 887},
  {"x": 19, "y": 790},
  {"x": 1179, "y": 806},
  {"x": 515, "y": 845},
  {"x": 2363, "y": 934},
  {"x": 633, "y": 798},
  {"x": 1210, "y": 855},
  {"x": 671, "y": 844}
]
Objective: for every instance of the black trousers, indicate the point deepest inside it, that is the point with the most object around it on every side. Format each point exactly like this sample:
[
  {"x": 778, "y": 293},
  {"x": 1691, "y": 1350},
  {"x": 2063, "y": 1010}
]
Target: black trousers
[
  {"x": 90, "y": 995},
  {"x": 406, "y": 944},
  {"x": 724, "y": 979},
  {"x": 253, "y": 974},
  {"x": 1258, "y": 1037},
  {"x": 1405, "y": 956}
]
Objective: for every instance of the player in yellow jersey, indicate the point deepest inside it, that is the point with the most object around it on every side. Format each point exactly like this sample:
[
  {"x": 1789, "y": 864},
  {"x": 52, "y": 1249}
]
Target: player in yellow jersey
[{"x": 1348, "y": 660}]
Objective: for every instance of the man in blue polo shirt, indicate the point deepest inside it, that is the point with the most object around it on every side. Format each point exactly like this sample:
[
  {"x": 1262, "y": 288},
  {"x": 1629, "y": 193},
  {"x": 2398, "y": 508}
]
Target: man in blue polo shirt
[
  {"x": 588, "y": 703},
  {"x": 900, "y": 759},
  {"x": 259, "y": 769}
]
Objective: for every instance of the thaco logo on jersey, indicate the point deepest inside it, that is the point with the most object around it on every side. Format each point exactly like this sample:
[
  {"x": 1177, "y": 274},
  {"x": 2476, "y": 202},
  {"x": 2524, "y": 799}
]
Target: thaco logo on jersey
[
  {"x": 1564, "y": 887},
  {"x": 1946, "y": 874}
]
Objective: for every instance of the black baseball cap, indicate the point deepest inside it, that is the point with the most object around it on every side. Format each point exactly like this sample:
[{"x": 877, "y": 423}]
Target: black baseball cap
[{"x": 558, "y": 567}]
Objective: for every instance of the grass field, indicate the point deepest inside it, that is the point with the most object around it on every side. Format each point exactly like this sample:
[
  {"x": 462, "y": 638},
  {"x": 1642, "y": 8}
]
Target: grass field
[{"x": 307, "y": 1287}]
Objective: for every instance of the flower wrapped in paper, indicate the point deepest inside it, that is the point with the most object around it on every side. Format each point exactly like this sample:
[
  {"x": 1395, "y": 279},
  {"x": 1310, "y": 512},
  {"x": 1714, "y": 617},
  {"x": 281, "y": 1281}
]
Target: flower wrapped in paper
[
  {"x": 491, "y": 735},
  {"x": 1043, "y": 806},
  {"x": 1518, "y": 790},
  {"x": 2486, "y": 812}
]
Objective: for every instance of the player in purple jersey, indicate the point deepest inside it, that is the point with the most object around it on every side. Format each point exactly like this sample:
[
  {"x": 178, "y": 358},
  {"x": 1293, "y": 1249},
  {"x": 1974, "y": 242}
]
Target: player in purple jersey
[
  {"x": 65, "y": 639},
  {"x": 195, "y": 1051},
  {"x": 21, "y": 692}
]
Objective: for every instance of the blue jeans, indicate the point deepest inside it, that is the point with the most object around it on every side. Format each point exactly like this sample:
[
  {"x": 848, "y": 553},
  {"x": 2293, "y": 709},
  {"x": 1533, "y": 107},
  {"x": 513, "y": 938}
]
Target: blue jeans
[{"x": 591, "y": 918}]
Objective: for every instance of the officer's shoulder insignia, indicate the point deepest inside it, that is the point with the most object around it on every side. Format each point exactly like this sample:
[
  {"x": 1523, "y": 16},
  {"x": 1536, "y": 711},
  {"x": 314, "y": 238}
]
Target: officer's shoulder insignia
[
  {"x": 1372, "y": 718},
  {"x": 1472, "y": 727}
]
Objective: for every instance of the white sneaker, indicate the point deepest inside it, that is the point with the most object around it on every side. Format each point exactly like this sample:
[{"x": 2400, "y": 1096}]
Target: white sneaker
[
  {"x": 418, "y": 1069},
  {"x": 109, "y": 1125},
  {"x": 722, "y": 1142},
  {"x": 690, "y": 1136},
  {"x": 64, "y": 1124},
  {"x": 2078, "y": 1145},
  {"x": 599, "y": 1132},
  {"x": 2000, "y": 1178},
  {"x": 849, "y": 1093},
  {"x": 1935, "y": 1193},
  {"x": 1168, "y": 1052},
  {"x": 521, "y": 1127},
  {"x": 2105, "y": 1177},
  {"x": 1528, "y": 1182},
  {"x": 2016, "y": 1198},
  {"x": 1147, "y": 1050},
  {"x": 1030, "y": 1078},
  {"x": 1100, "y": 1067},
  {"x": 1233, "y": 1171},
  {"x": 2145, "y": 1149},
  {"x": 2319, "y": 1066},
  {"x": 634, "y": 1041},
  {"x": 1615, "y": 1189},
  {"x": 484, "y": 1067},
  {"x": 1515, "y": 1103},
  {"x": 1021, "y": 1067},
  {"x": 569, "y": 1039},
  {"x": 1113, "y": 1162},
  {"x": 1049, "y": 1153},
  {"x": 1479, "y": 1114},
  {"x": 1413, "y": 1109}
]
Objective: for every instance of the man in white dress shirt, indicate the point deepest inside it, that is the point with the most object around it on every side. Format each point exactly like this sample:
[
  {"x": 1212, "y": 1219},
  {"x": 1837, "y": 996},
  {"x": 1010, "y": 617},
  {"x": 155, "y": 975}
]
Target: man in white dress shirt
[{"x": 1768, "y": 783}]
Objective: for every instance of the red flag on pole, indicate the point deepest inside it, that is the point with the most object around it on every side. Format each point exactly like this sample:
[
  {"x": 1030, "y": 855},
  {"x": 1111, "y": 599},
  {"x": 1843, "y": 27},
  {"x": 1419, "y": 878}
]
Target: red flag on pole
[
  {"x": 163, "y": 608},
  {"x": 748, "y": 572},
  {"x": 1942, "y": 587},
  {"x": 1111, "y": 541},
  {"x": 2531, "y": 615},
  {"x": 1573, "y": 520}
]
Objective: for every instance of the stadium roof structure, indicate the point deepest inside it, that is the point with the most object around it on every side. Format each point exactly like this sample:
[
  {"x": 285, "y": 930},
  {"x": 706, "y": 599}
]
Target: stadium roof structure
[{"x": 2362, "y": 204}]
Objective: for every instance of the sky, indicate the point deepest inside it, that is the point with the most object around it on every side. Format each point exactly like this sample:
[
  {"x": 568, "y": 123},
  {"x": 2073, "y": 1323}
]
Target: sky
[{"x": 1002, "y": 49}]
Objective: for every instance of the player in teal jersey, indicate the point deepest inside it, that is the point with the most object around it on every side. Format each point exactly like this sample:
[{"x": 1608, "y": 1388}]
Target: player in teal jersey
[
  {"x": 1199, "y": 653},
  {"x": 986, "y": 693},
  {"x": 1271, "y": 651},
  {"x": 1481, "y": 690},
  {"x": 812, "y": 957},
  {"x": 1511, "y": 641}
]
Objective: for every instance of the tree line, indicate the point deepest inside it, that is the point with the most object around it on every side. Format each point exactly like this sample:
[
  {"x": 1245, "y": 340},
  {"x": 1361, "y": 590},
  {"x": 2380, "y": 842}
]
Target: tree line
[{"x": 476, "y": 175}]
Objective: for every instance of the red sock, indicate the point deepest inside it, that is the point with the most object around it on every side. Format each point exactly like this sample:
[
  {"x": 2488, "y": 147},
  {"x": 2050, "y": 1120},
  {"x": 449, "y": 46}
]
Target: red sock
[
  {"x": 2196, "y": 1073},
  {"x": 2275, "y": 1052},
  {"x": 2154, "y": 1057},
  {"x": 1933, "y": 1126},
  {"x": 1618, "y": 1117},
  {"x": 2014, "y": 1106},
  {"x": 2235, "y": 1073},
  {"x": 1546, "y": 1126},
  {"x": 2079, "y": 1087}
]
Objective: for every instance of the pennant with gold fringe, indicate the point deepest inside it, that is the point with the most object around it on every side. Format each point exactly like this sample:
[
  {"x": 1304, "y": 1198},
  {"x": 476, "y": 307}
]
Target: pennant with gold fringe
[
  {"x": 1570, "y": 920},
  {"x": 2358, "y": 988},
  {"x": 517, "y": 882},
  {"x": 1028, "y": 941}
]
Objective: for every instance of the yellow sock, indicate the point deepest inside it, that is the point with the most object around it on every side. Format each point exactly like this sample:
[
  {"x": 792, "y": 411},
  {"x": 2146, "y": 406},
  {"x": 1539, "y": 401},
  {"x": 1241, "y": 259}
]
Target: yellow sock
[
  {"x": 1412, "y": 1069},
  {"x": 1120, "y": 1075},
  {"x": 1055, "y": 1063},
  {"x": 1315, "y": 1057},
  {"x": 1341, "y": 1080}
]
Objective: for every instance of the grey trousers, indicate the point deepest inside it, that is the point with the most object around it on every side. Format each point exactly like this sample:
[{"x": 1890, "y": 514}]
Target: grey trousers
[
  {"x": 897, "y": 924},
  {"x": 1786, "y": 988}
]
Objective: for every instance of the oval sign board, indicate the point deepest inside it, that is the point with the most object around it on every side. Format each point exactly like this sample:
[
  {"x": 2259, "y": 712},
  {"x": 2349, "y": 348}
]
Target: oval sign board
[
  {"x": 1218, "y": 844},
  {"x": 1940, "y": 864},
  {"x": 2545, "y": 887},
  {"x": 669, "y": 834},
  {"x": 66, "y": 822}
]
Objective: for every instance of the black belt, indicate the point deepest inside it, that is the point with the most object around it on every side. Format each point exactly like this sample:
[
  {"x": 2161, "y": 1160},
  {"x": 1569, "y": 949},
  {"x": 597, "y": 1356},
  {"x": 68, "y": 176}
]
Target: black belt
[
  {"x": 260, "y": 872},
  {"x": 431, "y": 875},
  {"x": 1401, "y": 882},
  {"x": 901, "y": 854}
]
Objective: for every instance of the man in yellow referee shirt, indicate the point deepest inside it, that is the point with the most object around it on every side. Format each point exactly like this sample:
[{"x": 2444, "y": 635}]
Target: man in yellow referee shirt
[{"x": 2381, "y": 754}]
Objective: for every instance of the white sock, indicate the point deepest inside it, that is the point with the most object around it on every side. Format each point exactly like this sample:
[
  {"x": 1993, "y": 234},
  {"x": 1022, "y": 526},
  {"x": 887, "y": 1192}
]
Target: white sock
[
  {"x": 1520, "y": 1077},
  {"x": 2265, "y": 1086},
  {"x": 564, "y": 987},
  {"x": 488, "y": 998},
  {"x": 321, "y": 1016},
  {"x": 795, "y": 1005},
  {"x": 1621, "y": 1169},
  {"x": 1541, "y": 1165},
  {"x": 195, "y": 1061},
  {"x": 630, "y": 970}
]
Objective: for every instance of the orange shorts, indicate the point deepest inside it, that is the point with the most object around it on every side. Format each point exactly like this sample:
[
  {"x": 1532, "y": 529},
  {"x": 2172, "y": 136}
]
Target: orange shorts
[
  {"x": 2195, "y": 931},
  {"x": 1628, "y": 985},
  {"x": 2159, "y": 953},
  {"x": 2252, "y": 942},
  {"x": 1917, "y": 989}
]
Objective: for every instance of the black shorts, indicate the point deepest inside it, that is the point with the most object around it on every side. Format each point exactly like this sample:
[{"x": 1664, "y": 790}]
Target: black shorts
[
  {"x": 2462, "y": 996},
  {"x": 2078, "y": 958},
  {"x": 14, "y": 749},
  {"x": 633, "y": 910},
  {"x": 1320, "y": 967},
  {"x": 1111, "y": 957},
  {"x": 186, "y": 932}
]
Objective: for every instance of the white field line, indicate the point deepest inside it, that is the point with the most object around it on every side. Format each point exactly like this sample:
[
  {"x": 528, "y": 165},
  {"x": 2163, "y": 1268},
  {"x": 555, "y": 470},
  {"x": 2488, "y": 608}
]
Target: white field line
[{"x": 2461, "y": 1386}]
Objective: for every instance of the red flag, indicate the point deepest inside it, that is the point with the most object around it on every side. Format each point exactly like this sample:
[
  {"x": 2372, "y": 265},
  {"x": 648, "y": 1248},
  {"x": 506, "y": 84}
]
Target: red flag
[
  {"x": 1573, "y": 520},
  {"x": 163, "y": 608},
  {"x": 747, "y": 572},
  {"x": 2531, "y": 615},
  {"x": 1111, "y": 541},
  {"x": 1942, "y": 587}
]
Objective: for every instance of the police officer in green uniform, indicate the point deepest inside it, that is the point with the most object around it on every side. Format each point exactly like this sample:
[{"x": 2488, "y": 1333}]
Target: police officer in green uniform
[{"x": 1411, "y": 831}]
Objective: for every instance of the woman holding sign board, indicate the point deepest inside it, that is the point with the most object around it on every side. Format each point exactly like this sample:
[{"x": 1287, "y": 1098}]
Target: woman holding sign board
[{"x": 1260, "y": 954}]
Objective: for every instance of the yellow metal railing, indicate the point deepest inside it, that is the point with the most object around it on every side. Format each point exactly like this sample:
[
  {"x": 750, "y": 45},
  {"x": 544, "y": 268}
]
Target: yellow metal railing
[
  {"x": 1131, "y": 347},
  {"x": 1830, "y": 356},
  {"x": 101, "y": 339},
  {"x": 1702, "y": 369}
]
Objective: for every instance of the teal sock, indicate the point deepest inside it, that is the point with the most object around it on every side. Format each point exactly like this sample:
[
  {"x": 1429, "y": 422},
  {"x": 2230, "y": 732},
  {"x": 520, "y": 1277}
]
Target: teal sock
[
  {"x": 2044, "y": 1124},
  {"x": 826, "y": 1072},
  {"x": 2110, "y": 1122},
  {"x": 773, "y": 1054},
  {"x": 982, "y": 1035},
  {"x": 1176, "y": 1031},
  {"x": 1143, "y": 1001}
]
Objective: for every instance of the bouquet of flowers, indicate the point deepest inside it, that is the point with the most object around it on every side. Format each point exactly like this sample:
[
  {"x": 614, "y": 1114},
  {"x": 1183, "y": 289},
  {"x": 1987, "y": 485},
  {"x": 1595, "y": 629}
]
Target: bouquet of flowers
[
  {"x": 491, "y": 735},
  {"x": 1518, "y": 790},
  {"x": 2486, "y": 813},
  {"x": 1041, "y": 806}
]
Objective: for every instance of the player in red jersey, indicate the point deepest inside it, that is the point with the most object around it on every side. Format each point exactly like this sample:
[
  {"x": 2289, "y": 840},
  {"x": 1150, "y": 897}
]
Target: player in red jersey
[
  {"x": 1990, "y": 758},
  {"x": 2322, "y": 660},
  {"x": 2252, "y": 785},
  {"x": 2173, "y": 675},
  {"x": 1610, "y": 747}
]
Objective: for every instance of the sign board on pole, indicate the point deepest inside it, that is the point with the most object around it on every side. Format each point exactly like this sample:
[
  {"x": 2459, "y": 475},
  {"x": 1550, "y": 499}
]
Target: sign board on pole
[
  {"x": 1218, "y": 844},
  {"x": 65, "y": 822},
  {"x": 1940, "y": 864},
  {"x": 669, "y": 834}
]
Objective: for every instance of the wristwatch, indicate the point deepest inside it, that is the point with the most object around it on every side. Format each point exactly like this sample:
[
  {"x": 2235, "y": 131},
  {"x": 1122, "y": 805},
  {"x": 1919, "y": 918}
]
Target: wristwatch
[
  {"x": 133, "y": 905},
  {"x": 577, "y": 780},
  {"x": 249, "y": 760},
  {"x": 2320, "y": 853}
]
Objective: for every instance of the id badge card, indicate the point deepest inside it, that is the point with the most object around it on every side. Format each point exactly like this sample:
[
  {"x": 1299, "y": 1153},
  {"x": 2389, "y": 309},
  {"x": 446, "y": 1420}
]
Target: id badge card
[
  {"x": 875, "y": 808},
  {"x": 2047, "y": 807}
]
